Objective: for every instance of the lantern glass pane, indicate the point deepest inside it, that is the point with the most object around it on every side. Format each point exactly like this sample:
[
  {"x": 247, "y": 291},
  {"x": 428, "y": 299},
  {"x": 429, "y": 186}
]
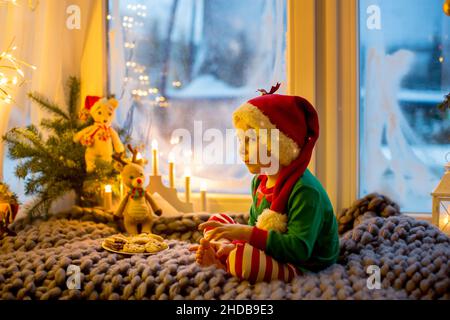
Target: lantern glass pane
[{"x": 444, "y": 215}]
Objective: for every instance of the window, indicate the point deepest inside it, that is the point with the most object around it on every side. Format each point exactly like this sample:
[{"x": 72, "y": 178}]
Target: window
[
  {"x": 187, "y": 65},
  {"x": 404, "y": 75}
]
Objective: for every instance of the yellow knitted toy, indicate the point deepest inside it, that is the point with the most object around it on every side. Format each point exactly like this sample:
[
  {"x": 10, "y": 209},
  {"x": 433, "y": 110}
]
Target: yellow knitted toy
[{"x": 100, "y": 139}]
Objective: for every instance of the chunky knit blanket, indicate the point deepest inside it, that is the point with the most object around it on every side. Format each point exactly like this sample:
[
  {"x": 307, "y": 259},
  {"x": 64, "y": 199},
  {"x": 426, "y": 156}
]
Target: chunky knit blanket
[{"x": 413, "y": 258}]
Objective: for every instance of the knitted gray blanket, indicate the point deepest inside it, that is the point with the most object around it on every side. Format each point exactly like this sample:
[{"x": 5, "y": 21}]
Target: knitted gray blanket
[{"x": 412, "y": 257}]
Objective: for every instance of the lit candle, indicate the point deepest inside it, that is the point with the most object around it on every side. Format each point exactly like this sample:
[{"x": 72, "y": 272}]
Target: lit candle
[
  {"x": 121, "y": 187},
  {"x": 203, "y": 195},
  {"x": 155, "y": 157},
  {"x": 187, "y": 174},
  {"x": 171, "y": 170},
  {"x": 107, "y": 199}
]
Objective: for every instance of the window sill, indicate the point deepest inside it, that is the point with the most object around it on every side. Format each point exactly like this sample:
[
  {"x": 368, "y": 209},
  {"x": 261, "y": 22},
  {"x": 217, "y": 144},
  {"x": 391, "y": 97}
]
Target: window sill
[{"x": 224, "y": 202}]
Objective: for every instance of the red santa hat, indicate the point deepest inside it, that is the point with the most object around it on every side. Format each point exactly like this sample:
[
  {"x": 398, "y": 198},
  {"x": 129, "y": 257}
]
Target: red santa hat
[
  {"x": 298, "y": 125},
  {"x": 88, "y": 104}
]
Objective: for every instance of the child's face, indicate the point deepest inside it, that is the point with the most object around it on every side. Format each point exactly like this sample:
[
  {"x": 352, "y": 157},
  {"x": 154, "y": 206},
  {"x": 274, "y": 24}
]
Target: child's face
[{"x": 249, "y": 149}]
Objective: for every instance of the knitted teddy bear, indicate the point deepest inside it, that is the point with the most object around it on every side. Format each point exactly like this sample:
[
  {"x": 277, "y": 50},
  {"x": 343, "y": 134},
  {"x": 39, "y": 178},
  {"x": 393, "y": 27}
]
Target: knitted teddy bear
[
  {"x": 138, "y": 208},
  {"x": 100, "y": 139}
]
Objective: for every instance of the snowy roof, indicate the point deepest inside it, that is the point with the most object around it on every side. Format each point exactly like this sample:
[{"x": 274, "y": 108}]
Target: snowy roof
[{"x": 209, "y": 87}]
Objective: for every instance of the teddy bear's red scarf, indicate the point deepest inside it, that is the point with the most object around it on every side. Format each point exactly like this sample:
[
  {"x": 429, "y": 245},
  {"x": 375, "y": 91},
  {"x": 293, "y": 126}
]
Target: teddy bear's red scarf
[{"x": 104, "y": 135}]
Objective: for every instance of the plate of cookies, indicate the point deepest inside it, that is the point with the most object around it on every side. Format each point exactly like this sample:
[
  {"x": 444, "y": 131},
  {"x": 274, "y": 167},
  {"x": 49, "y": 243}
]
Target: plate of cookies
[{"x": 145, "y": 243}]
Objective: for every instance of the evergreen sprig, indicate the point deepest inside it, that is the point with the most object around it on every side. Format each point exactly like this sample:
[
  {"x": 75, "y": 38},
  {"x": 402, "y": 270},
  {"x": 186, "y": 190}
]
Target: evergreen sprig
[{"x": 52, "y": 165}]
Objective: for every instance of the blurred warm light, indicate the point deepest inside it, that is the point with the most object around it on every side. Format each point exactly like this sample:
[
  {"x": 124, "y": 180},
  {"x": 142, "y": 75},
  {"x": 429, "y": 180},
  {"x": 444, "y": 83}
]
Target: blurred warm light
[
  {"x": 203, "y": 185},
  {"x": 10, "y": 72},
  {"x": 108, "y": 188}
]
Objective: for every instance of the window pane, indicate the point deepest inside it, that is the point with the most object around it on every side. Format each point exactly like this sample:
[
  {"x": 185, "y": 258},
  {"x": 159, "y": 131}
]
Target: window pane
[
  {"x": 404, "y": 74},
  {"x": 175, "y": 62}
]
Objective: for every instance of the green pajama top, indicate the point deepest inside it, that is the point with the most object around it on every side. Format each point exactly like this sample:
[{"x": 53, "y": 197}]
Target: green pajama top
[{"x": 311, "y": 241}]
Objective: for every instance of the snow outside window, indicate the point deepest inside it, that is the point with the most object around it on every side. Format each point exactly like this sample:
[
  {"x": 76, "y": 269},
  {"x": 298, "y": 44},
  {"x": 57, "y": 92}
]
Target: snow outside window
[
  {"x": 404, "y": 75},
  {"x": 189, "y": 63}
]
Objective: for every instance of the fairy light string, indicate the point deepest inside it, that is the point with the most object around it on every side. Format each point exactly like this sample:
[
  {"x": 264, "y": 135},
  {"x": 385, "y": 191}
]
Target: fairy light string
[{"x": 11, "y": 73}]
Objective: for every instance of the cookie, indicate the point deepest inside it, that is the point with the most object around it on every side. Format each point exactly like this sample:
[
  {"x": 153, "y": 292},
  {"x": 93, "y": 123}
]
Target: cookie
[
  {"x": 116, "y": 242},
  {"x": 156, "y": 237},
  {"x": 153, "y": 246},
  {"x": 133, "y": 248},
  {"x": 142, "y": 240}
]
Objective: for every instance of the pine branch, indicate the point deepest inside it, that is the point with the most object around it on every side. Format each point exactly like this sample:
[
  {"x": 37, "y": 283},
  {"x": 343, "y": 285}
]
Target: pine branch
[
  {"x": 74, "y": 94},
  {"x": 47, "y": 105},
  {"x": 39, "y": 207},
  {"x": 57, "y": 126},
  {"x": 32, "y": 137}
]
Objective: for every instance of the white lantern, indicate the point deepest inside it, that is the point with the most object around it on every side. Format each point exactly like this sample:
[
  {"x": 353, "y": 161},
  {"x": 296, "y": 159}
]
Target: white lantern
[{"x": 441, "y": 202}]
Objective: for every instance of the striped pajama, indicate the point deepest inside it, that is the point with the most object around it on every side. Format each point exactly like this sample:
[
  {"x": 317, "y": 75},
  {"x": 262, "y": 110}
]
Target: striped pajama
[{"x": 249, "y": 263}]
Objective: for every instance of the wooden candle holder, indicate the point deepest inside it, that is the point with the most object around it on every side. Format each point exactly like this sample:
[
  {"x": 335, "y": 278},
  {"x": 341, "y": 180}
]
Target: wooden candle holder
[{"x": 169, "y": 194}]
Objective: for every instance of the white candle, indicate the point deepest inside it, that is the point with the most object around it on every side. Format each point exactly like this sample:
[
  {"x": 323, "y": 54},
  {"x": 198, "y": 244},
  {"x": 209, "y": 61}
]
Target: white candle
[
  {"x": 155, "y": 157},
  {"x": 107, "y": 199},
  {"x": 171, "y": 170},
  {"x": 187, "y": 175},
  {"x": 203, "y": 195}
]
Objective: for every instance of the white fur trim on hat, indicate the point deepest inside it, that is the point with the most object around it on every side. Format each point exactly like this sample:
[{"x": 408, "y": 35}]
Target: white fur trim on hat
[
  {"x": 253, "y": 117},
  {"x": 272, "y": 220}
]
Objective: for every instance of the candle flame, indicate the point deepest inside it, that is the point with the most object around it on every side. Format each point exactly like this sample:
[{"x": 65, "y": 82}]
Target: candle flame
[
  {"x": 138, "y": 156},
  {"x": 154, "y": 144},
  {"x": 203, "y": 186},
  {"x": 108, "y": 188},
  {"x": 171, "y": 157},
  {"x": 187, "y": 172}
]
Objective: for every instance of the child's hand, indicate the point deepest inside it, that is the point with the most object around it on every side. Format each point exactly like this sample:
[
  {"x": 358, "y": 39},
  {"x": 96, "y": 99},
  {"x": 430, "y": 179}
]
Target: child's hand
[
  {"x": 222, "y": 249},
  {"x": 227, "y": 231}
]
